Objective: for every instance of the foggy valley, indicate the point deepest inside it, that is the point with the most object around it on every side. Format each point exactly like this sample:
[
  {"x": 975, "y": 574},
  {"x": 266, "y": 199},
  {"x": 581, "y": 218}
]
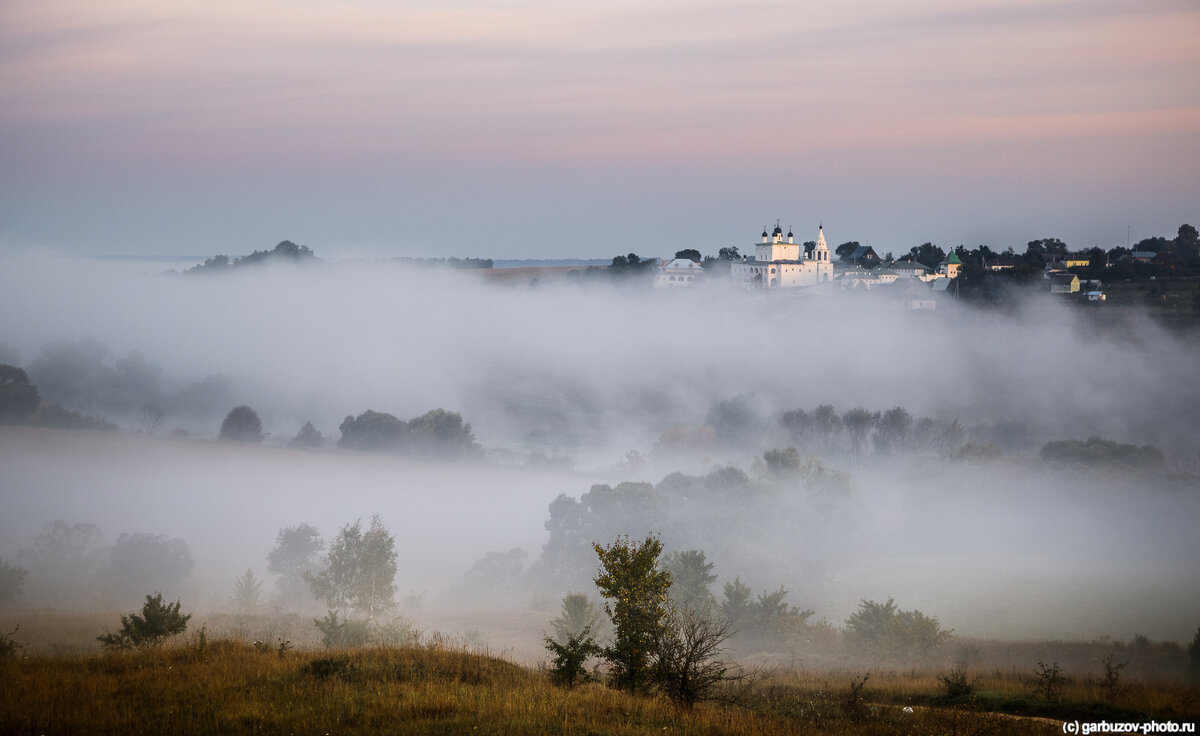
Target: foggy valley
[{"x": 646, "y": 410}]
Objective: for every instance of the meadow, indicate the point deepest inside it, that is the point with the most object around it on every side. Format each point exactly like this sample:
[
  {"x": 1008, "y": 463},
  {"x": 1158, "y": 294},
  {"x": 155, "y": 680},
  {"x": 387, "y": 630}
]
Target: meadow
[{"x": 215, "y": 679}]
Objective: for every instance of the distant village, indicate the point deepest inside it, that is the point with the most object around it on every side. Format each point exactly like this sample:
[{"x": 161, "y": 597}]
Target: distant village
[
  {"x": 1158, "y": 272},
  {"x": 928, "y": 275}
]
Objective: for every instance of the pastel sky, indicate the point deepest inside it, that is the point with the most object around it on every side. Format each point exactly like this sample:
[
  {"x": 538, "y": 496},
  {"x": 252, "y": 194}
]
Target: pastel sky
[{"x": 532, "y": 129}]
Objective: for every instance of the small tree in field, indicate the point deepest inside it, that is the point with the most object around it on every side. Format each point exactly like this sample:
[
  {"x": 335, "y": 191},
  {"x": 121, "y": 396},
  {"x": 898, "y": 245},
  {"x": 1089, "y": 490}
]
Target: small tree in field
[
  {"x": 159, "y": 621},
  {"x": 247, "y": 592},
  {"x": 361, "y": 572},
  {"x": 570, "y": 657},
  {"x": 636, "y": 592}
]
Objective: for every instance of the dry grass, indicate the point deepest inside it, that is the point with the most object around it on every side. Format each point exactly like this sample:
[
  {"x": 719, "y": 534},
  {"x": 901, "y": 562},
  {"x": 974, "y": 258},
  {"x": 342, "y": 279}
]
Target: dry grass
[
  {"x": 61, "y": 683},
  {"x": 234, "y": 687}
]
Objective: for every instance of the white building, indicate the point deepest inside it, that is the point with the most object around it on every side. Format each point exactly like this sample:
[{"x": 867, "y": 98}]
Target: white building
[
  {"x": 678, "y": 272},
  {"x": 779, "y": 263}
]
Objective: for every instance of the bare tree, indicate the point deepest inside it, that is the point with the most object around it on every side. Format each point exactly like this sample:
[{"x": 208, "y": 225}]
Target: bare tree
[{"x": 691, "y": 663}]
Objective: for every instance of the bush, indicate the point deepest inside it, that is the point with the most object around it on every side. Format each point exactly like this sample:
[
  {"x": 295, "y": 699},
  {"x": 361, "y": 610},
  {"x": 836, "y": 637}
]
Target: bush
[
  {"x": 157, "y": 623},
  {"x": 882, "y": 630},
  {"x": 342, "y": 633},
  {"x": 9, "y": 645},
  {"x": 691, "y": 664},
  {"x": 1049, "y": 680},
  {"x": 570, "y": 657},
  {"x": 955, "y": 684}
]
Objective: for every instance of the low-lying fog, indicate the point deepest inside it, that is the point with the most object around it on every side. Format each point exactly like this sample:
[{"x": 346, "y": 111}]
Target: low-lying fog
[{"x": 561, "y": 380}]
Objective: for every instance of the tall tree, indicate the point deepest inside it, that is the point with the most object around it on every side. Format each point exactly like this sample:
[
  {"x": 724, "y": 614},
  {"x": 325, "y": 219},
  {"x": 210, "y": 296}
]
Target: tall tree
[{"x": 636, "y": 591}]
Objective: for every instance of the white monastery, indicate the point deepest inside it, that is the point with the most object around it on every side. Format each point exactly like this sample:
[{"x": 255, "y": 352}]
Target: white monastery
[{"x": 777, "y": 263}]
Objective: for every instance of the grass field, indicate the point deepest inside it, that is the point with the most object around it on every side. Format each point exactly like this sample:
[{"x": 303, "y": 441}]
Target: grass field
[{"x": 205, "y": 684}]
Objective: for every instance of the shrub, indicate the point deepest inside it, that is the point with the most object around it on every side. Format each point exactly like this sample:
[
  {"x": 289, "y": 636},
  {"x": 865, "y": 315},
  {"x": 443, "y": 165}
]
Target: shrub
[
  {"x": 955, "y": 684},
  {"x": 691, "y": 663},
  {"x": 9, "y": 645},
  {"x": 570, "y": 657},
  {"x": 157, "y": 623},
  {"x": 1048, "y": 681},
  {"x": 342, "y": 633},
  {"x": 883, "y": 630}
]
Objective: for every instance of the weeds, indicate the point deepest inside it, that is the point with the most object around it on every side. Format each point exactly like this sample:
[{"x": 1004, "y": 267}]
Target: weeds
[
  {"x": 1049, "y": 681},
  {"x": 955, "y": 685},
  {"x": 1111, "y": 684},
  {"x": 854, "y": 705},
  {"x": 9, "y": 645}
]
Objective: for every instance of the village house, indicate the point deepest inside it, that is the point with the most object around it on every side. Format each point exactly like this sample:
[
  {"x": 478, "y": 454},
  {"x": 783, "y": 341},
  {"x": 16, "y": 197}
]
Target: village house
[
  {"x": 1064, "y": 283},
  {"x": 678, "y": 272}
]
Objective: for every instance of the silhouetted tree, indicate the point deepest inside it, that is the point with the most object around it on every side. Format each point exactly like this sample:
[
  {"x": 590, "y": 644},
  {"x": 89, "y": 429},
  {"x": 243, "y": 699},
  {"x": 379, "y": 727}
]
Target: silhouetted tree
[
  {"x": 11, "y": 579},
  {"x": 158, "y": 622},
  {"x": 307, "y": 437},
  {"x": 373, "y": 430},
  {"x": 242, "y": 425},
  {"x": 443, "y": 433},
  {"x": 690, "y": 254},
  {"x": 18, "y": 397}
]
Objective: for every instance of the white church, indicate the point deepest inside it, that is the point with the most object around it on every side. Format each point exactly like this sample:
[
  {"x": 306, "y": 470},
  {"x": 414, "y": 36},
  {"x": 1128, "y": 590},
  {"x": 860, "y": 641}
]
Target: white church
[{"x": 777, "y": 263}]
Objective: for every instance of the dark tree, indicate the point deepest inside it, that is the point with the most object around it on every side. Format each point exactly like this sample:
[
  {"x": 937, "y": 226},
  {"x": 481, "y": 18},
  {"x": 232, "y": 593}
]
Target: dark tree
[
  {"x": 1187, "y": 242},
  {"x": 859, "y": 422},
  {"x": 690, "y": 254},
  {"x": 893, "y": 429},
  {"x": 18, "y": 397},
  {"x": 442, "y": 433},
  {"x": 159, "y": 621},
  {"x": 927, "y": 254},
  {"x": 242, "y": 425},
  {"x": 11, "y": 579},
  {"x": 374, "y": 430},
  {"x": 307, "y": 437}
]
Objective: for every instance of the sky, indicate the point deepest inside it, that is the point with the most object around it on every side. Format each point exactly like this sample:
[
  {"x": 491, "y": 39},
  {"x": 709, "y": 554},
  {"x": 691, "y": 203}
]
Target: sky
[{"x": 531, "y": 129}]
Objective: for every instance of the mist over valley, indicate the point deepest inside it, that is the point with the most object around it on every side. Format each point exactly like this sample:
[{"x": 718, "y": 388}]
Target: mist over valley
[{"x": 645, "y": 411}]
